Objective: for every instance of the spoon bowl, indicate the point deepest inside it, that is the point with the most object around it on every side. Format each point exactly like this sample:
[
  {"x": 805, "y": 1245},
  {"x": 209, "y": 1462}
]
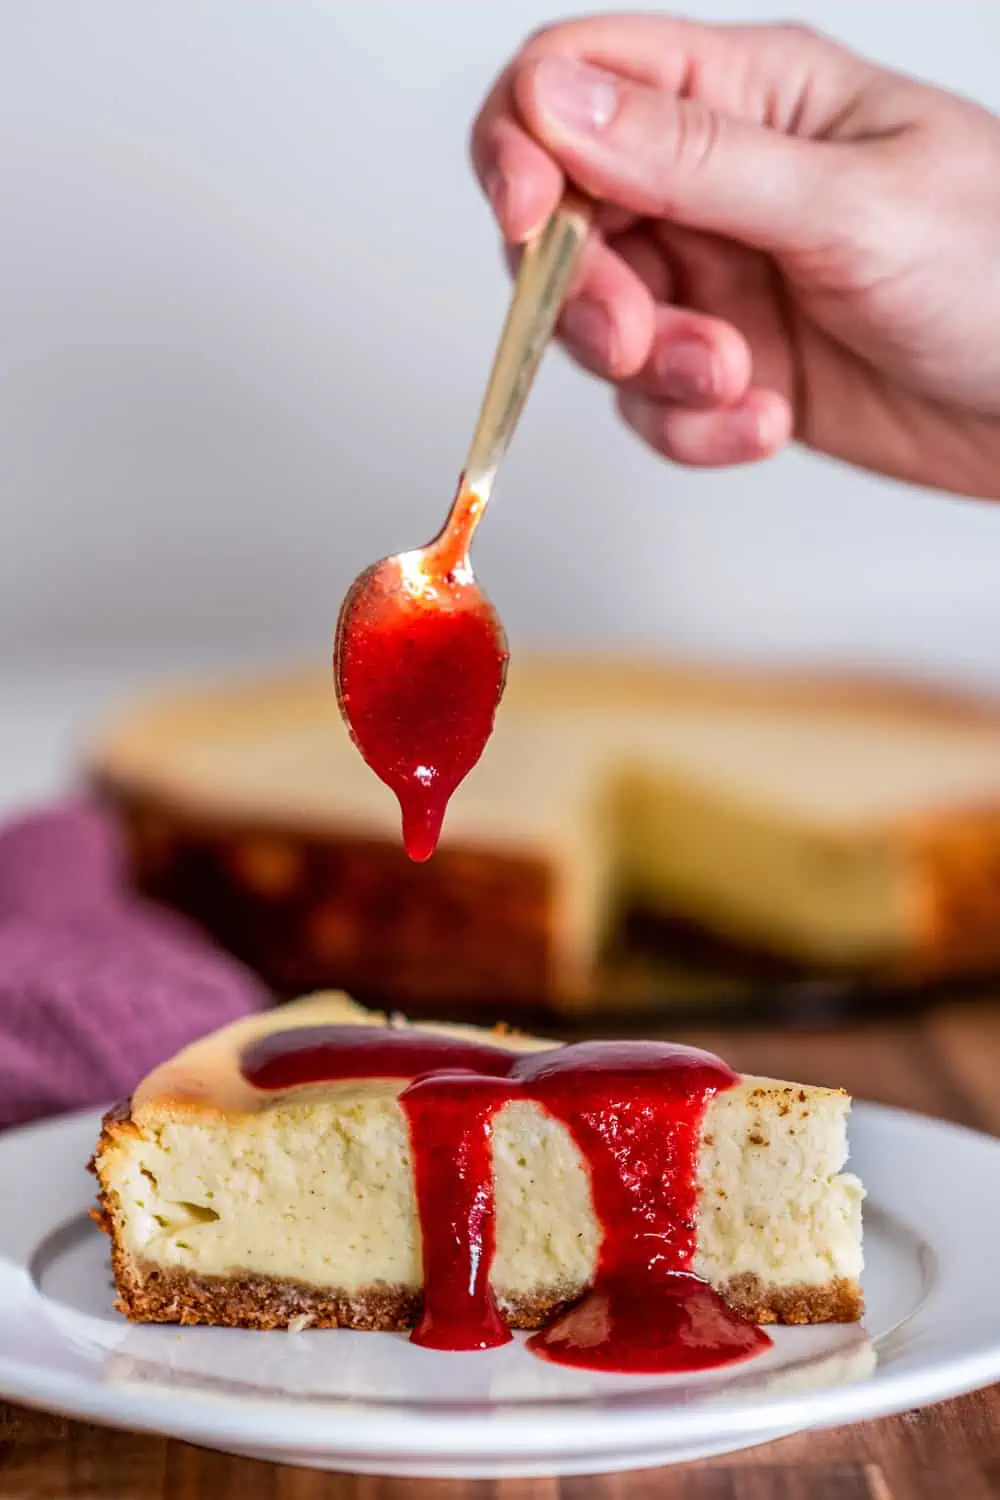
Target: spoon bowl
[{"x": 420, "y": 664}]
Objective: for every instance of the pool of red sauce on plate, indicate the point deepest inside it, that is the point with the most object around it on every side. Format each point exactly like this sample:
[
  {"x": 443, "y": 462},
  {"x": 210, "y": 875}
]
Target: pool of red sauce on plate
[
  {"x": 420, "y": 664},
  {"x": 634, "y": 1110}
]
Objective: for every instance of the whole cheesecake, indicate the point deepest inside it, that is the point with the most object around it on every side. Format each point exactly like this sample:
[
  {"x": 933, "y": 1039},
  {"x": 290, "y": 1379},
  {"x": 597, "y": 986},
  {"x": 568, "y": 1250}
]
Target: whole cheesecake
[
  {"x": 270, "y": 1176},
  {"x": 839, "y": 826}
]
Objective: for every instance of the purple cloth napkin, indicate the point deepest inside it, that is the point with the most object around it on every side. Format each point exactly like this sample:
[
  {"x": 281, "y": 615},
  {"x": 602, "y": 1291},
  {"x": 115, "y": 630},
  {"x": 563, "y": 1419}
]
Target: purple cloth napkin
[{"x": 96, "y": 985}]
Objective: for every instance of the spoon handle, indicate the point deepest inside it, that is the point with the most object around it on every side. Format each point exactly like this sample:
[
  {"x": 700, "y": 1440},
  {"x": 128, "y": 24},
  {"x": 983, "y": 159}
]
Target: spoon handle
[{"x": 543, "y": 279}]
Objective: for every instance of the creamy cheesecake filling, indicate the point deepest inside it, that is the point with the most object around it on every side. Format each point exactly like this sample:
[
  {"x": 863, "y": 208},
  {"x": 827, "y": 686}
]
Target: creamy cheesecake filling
[
  {"x": 784, "y": 883},
  {"x": 311, "y": 1188}
]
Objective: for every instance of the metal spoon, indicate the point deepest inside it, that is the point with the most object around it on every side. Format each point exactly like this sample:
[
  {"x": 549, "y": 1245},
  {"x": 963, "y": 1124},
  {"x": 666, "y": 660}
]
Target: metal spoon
[{"x": 438, "y": 577}]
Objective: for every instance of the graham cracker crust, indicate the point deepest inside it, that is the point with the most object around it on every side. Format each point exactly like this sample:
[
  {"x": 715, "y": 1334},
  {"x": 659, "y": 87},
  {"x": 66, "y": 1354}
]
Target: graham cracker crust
[
  {"x": 152, "y": 1294},
  {"x": 837, "y": 1301}
]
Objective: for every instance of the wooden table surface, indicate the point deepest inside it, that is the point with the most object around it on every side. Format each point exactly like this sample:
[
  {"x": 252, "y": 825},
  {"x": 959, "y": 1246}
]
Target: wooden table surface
[{"x": 946, "y": 1063}]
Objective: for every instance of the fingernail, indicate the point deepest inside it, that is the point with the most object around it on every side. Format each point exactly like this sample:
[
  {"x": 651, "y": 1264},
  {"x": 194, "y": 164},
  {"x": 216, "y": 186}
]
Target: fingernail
[
  {"x": 495, "y": 184},
  {"x": 685, "y": 371},
  {"x": 586, "y": 327},
  {"x": 577, "y": 95}
]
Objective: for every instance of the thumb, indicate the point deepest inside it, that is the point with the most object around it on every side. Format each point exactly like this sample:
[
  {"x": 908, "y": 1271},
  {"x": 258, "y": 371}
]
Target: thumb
[{"x": 654, "y": 153}]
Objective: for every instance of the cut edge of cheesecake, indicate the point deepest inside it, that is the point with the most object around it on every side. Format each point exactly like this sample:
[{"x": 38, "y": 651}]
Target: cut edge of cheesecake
[
  {"x": 297, "y": 873},
  {"x": 779, "y": 1232}
]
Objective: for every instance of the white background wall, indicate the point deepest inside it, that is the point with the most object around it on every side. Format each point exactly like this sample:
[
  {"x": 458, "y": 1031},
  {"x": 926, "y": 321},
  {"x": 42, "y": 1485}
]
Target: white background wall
[{"x": 248, "y": 295}]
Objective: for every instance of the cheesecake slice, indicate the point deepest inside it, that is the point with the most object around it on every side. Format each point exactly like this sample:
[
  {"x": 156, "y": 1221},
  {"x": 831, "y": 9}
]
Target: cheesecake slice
[
  {"x": 839, "y": 826},
  {"x": 241, "y": 1186}
]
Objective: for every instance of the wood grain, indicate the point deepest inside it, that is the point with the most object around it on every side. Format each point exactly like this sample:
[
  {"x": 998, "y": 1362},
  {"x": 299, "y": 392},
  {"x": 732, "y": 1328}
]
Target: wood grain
[{"x": 943, "y": 1063}]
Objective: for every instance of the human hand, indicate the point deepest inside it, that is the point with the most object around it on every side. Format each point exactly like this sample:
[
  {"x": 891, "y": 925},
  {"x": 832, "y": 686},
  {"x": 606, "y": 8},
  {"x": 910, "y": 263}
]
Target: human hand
[{"x": 791, "y": 241}]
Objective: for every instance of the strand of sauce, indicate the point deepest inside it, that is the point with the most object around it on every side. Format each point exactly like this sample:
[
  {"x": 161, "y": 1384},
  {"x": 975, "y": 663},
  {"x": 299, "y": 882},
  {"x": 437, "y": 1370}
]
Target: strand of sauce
[{"x": 634, "y": 1110}]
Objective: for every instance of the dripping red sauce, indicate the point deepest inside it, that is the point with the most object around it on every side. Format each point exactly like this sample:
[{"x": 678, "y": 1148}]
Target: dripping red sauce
[
  {"x": 420, "y": 662},
  {"x": 634, "y": 1110}
]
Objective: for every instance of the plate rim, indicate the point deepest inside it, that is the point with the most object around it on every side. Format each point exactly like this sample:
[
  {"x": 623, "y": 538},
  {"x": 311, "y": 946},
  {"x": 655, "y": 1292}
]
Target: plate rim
[{"x": 367, "y": 1428}]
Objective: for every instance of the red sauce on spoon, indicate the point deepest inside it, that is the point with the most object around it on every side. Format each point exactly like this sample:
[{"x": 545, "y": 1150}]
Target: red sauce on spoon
[
  {"x": 420, "y": 662},
  {"x": 634, "y": 1110}
]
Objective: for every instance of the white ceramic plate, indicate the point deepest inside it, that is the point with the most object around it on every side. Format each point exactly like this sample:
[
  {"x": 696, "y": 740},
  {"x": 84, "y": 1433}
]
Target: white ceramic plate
[{"x": 375, "y": 1403}]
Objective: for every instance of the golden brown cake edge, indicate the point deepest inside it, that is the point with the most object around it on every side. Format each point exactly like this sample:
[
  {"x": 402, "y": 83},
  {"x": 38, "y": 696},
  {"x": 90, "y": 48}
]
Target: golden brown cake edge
[{"x": 314, "y": 908}]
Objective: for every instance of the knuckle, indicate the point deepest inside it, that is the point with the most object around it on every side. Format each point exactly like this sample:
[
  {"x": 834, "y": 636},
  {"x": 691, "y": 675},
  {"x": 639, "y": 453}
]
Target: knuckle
[
  {"x": 488, "y": 137},
  {"x": 542, "y": 38},
  {"x": 800, "y": 39},
  {"x": 797, "y": 32},
  {"x": 667, "y": 145},
  {"x": 687, "y": 148},
  {"x": 536, "y": 38}
]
